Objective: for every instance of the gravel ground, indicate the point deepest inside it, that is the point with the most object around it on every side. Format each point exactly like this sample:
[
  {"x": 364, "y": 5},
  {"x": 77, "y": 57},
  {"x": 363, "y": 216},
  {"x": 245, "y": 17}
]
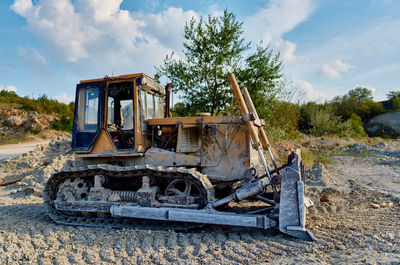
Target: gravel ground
[{"x": 359, "y": 224}]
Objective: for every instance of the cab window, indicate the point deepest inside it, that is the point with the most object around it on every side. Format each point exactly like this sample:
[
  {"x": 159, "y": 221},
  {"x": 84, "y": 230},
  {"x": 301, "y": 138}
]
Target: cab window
[{"x": 89, "y": 106}]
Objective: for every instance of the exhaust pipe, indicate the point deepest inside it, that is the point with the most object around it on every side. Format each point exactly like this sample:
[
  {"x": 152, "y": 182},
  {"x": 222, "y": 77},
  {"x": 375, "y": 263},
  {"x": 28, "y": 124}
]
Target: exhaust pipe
[{"x": 168, "y": 89}]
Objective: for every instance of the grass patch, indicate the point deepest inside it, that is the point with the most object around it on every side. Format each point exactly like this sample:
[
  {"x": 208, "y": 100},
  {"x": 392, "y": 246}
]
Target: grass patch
[
  {"x": 307, "y": 157},
  {"x": 13, "y": 140},
  {"x": 310, "y": 157}
]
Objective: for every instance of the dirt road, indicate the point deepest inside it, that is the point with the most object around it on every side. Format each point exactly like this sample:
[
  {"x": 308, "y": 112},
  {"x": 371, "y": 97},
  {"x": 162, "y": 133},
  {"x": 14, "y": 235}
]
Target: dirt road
[
  {"x": 348, "y": 228},
  {"x": 13, "y": 150}
]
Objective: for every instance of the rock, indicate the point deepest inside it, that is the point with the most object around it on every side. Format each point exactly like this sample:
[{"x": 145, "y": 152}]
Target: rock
[
  {"x": 390, "y": 235},
  {"x": 380, "y": 144},
  {"x": 398, "y": 204},
  {"x": 37, "y": 121},
  {"x": 375, "y": 205},
  {"x": 318, "y": 176},
  {"x": 14, "y": 121},
  {"x": 384, "y": 124},
  {"x": 324, "y": 198},
  {"x": 390, "y": 204}
]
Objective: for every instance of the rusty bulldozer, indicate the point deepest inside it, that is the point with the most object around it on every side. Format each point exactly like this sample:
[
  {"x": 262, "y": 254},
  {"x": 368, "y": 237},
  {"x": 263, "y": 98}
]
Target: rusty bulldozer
[{"x": 137, "y": 163}]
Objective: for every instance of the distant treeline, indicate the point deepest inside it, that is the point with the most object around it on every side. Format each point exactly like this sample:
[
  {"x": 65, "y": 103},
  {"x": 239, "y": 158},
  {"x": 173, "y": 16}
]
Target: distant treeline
[
  {"x": 43, "y": 105},
  {"x": 344, "y": 116}
]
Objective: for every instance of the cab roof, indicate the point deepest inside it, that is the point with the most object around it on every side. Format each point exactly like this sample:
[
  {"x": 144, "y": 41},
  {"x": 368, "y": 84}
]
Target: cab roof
[
  {"x": 116, "y": 78},
  {"x": 141, "y": 80}
]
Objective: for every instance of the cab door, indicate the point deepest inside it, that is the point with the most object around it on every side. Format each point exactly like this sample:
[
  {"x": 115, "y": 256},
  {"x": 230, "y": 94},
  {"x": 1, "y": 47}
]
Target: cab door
[{"x": 88, "y": 118}]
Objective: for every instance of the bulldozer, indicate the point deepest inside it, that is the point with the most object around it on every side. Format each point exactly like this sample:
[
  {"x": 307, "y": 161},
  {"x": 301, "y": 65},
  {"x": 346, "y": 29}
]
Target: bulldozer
[{"x": 136, "y": 163}]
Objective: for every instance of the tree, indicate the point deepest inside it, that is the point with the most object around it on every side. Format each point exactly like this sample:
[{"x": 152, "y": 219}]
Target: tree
[
  {"x": 260, "y": 76},
  {"x": 393, "y": 94},
  {"x": 394, "y": 99},
  {"x": 213, "y": 48},
  {"x": 360, "y": 94},
  {"x": 357, "y": 101}
]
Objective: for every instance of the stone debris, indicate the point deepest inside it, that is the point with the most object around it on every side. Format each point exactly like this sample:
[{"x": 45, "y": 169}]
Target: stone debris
[
  {"x": 318, "y": 176},
  {"x": 375, "y": 205},
  {"x": 36, "y": 167},
  {"x": 324, "y": 198}
]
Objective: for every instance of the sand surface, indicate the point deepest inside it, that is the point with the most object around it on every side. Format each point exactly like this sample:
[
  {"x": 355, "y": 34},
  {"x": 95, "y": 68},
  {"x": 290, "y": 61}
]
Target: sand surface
[{"x": 348, "y": 229}]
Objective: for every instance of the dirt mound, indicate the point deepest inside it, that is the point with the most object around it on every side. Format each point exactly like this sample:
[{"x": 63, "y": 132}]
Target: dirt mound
[{"x": 348, "y": 229}]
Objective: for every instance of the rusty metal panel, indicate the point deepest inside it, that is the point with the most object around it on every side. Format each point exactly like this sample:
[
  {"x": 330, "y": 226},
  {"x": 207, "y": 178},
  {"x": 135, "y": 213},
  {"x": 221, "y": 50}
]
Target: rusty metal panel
[
  {"x": 222, "y": 144},
  {"x": 160, "y": 157},
  {"x": 188, "y": 139}
]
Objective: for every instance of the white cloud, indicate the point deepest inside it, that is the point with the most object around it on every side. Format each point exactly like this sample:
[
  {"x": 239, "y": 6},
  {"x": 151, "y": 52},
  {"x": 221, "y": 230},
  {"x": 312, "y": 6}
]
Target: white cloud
[
  {"x": 311, "y": 93},
  {"x": 8, "y": 88},
  {"x": 287, "y": 51},
  {"x": 63, "y": 97},
  {"x": 167, "y": 26},
  {"x": 22, "y": 7},
  {"x": 279, "y": 17},
  {"x": 334, "y": 69},
  {"x": 98, "y": 37}
]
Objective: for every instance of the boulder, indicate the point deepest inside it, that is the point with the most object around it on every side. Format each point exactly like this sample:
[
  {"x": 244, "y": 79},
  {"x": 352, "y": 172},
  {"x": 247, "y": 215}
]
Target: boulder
[
  {"x": 37, "y": 121},
  {"x": 14, "y": 121},
  {"x": 384, "y": 124}
]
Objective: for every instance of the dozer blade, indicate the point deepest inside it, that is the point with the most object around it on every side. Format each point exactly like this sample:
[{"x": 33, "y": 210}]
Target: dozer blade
[{"x": 292, "y": 212}]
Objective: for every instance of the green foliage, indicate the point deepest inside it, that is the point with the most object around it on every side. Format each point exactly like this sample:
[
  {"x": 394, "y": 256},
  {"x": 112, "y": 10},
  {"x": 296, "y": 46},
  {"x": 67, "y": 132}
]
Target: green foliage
[
  {"x": 306, "y": 111},
  {"x": 360, "y": 94},
  {"x": 357, "y": 125},
  {"x": 65, "y": 123},
  {"x": 394, "y": 99},
  {"x": 180, "y": 110},
  {"x": 307, "y": 157},
  {"x": 357, "y": 101},
  {"x": 42, "y": 105},
  {"x": 213, "y": 48},
  {"x": 324, "y": 122},
  {"x": 311, "y": 156},
  {"x": 5, "y": 95},
  {"x": 283, "y": 120},
  {"x": 261, "y": 77}
]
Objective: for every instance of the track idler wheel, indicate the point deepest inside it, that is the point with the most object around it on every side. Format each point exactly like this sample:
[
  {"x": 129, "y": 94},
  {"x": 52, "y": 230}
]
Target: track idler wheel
[{"x": 186, "y": 191}]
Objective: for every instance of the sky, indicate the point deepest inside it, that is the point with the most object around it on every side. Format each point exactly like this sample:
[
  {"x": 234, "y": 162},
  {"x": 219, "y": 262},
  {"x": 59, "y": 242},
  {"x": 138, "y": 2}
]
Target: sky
[{"x": 328, "y": 47}]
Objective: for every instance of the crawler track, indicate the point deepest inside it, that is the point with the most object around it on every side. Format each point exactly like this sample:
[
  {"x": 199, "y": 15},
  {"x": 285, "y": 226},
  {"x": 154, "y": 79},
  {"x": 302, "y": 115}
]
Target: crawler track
[{"x": 99, "y": 219}]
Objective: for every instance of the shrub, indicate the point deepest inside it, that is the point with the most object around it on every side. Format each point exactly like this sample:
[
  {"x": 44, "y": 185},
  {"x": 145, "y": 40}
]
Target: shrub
[
  {"x": 306, "y": 111},
  {"x": 284, "y": 119},
  {"x": 365, "y": 107},
  {"x": 65, "y": 123},
  {"x": 325, "y": 122},
  {"x": 357, "y": 125}
]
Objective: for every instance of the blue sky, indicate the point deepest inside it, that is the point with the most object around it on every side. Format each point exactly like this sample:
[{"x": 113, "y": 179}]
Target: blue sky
[{"x": 328, "y": 47}]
